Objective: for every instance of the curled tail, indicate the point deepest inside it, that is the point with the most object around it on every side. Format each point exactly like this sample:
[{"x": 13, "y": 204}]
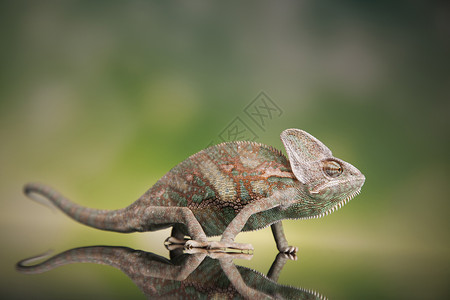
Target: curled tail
[{"x": 121, "y": 220}]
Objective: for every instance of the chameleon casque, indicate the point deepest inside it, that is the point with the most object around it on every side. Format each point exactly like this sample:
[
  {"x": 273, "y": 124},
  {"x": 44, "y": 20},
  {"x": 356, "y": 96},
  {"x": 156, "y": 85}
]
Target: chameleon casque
[{"x": 229, "y": 188}]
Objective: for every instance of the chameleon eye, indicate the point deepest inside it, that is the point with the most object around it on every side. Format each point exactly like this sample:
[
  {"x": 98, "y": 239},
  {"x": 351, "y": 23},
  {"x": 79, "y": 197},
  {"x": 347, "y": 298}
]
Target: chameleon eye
[{"x": 332, "y": 168}]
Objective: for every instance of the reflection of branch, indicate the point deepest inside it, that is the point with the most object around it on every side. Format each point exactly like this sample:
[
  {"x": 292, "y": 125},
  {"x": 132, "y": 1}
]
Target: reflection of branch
[{"x": 202, "y": 274}]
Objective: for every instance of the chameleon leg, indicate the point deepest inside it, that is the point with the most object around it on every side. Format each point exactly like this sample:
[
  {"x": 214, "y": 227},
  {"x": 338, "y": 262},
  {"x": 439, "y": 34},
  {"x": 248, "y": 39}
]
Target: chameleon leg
[
  {"x": 277, "y": 266},
  {"x": 174, "y": 272},
  {"x": 280, "y": 239},
  {"x": 227, "y": 241},
  {"x": 232, "y": 273},
  {"x": 157, "y": 215},
  {"x": 176, "y": 240}
]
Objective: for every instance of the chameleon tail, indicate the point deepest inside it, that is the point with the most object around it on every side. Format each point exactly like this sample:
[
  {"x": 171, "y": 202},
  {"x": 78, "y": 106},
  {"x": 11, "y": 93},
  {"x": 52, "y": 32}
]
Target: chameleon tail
[
  {"x": 111, "y": 220},
  {"x": 112, "y": 256}
]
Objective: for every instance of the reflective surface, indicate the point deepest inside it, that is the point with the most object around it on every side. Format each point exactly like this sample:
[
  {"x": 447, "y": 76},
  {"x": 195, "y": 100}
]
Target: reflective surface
[
  {"x": 101, "y": 100},
  {"x": 200, "y": 275},
  {"x": 339, "y": 269}
]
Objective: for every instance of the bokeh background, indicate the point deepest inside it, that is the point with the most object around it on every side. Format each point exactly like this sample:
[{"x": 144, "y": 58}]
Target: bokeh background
[{"x": 101, "y": 98}]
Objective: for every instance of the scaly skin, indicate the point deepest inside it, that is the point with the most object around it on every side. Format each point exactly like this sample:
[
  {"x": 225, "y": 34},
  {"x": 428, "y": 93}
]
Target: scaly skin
[{"x": 229, "y": 188}]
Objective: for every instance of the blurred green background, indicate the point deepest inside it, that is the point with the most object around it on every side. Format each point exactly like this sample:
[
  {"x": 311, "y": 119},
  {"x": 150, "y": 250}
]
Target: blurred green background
[{"x": 101, "y": 98}]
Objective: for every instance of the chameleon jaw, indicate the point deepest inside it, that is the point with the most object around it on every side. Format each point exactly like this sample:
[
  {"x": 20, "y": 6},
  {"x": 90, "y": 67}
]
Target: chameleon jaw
[{"x": 336, "y": 206}]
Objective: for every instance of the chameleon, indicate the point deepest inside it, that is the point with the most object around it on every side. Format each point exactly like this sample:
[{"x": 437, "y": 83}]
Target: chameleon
[
  {"x": 198, "y": 275},
  {"x": 228, "y": 188}
]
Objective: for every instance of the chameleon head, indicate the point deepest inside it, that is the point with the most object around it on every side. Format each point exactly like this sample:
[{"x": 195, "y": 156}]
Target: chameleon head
[{"x": 329, "y": 182}]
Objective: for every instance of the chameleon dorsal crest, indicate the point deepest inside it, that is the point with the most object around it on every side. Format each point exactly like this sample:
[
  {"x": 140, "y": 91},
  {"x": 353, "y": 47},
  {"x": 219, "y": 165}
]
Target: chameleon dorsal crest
[{"x": 303, "y": 149}]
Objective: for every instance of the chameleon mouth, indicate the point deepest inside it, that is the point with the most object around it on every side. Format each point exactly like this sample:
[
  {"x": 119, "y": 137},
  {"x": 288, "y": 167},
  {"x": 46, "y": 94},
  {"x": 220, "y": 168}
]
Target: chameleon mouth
[{"x": 336, "y": 206}]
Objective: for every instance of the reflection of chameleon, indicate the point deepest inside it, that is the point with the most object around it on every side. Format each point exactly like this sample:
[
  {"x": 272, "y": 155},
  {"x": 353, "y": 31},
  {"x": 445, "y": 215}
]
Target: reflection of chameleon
[
  {"x": 231, "y": 187},
  {"x": 185, "y": 276}
]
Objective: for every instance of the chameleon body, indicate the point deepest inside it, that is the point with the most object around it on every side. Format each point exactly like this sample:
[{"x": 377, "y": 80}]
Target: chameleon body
[{"x": 228, "y": 188}]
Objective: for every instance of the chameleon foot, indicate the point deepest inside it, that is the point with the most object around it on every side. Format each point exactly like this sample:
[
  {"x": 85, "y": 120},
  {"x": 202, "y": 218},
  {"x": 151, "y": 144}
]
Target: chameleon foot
[
  {"x": 195, "y": 244},
  {"x": 289, "y": 250},
  {"x": 231, "y": 245},
  {"x": 172, "y": 247},
  {"x": 173, "y": 240},
  {"x": 291, "y": 256}
]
